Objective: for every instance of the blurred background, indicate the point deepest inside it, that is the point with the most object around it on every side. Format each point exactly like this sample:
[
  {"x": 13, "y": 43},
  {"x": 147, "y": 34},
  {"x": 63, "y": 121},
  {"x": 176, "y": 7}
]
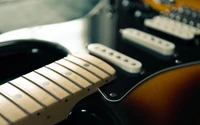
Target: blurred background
[{"x": 15, "y": 14}]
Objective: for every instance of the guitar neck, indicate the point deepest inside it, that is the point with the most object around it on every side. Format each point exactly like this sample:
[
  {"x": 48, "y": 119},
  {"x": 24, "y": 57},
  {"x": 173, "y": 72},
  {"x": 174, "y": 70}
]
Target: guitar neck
[{"x": 47, "y": 95}]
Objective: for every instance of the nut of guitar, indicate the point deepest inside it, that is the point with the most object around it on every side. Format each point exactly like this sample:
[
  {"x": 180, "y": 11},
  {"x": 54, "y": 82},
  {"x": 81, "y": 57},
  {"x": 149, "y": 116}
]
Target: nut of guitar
[{"x": 47, "y": 95}]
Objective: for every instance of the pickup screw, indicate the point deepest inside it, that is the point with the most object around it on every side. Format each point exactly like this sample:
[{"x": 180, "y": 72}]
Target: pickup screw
[
  {"x": 113, "y": 94},
  {"x": 178, "y": 61}
]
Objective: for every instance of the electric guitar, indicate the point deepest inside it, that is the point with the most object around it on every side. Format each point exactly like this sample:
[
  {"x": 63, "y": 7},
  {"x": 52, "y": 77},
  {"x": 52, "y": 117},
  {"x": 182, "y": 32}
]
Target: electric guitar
[{"x": 130, "y": 75}]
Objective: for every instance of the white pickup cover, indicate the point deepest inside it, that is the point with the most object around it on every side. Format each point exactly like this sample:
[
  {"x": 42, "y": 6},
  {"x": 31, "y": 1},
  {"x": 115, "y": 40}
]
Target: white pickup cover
[
  {"x": 122, "y": 61},
  {"x": 149, "y": 41},
  {"x": 172, "y": 27}
]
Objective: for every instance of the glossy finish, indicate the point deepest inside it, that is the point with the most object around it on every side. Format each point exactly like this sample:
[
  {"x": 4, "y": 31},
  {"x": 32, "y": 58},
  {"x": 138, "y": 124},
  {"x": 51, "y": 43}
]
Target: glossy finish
[
  {"x": 103, "y": 25},
  {"x": 186, "y": 51},
  {"x": 19, "y": 57},
  {"x": 170, "y": 98},
  {"x": 164, "y": 7}
]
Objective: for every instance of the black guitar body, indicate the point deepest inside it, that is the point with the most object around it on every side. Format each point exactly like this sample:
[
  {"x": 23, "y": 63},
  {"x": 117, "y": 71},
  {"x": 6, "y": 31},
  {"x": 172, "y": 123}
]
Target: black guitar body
[
  {"x": 19, "y": 57},
  {"x": 125, "y": 100}
]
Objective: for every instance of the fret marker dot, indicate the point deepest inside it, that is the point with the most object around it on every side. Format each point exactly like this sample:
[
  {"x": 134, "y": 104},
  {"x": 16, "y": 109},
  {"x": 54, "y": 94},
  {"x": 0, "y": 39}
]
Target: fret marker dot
[
  {"x": 18, "y": 96},
  {"x": 86, "y": 65},
  {"x": 45, "y": 83},
  {"x": 68, "y": 73}
]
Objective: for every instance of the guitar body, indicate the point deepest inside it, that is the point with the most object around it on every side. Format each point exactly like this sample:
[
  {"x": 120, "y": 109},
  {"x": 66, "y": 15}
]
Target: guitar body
[
  {"x": 178, "y": 3},
  {"x": 164, "y": 92},
  {"x": 169, "y": 98}
]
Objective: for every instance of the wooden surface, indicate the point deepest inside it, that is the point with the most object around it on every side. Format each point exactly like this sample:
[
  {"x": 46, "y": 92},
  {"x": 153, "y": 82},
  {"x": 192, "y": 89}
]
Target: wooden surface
[
  {"x": 47, "y": 85},
  {"x": 91, "y": 68},
  {"x": 47, "y": 95},
  {"x": 84, "y": 72}
]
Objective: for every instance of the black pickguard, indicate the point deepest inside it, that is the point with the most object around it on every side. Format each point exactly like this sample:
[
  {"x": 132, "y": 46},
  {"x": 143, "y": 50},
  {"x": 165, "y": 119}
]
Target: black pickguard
[{"x": 102, "y": 26}]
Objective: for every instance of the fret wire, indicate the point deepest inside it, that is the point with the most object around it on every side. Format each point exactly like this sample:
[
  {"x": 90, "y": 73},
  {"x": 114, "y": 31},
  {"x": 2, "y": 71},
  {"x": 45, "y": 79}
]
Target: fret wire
[
  {"x": 93, "y": 65},
  {"x": 20, "y": 107},
  {"x": 80, "y": 86},
  {"x": 69, "y": 92},
  {"x": 76, "y": 73},
  {"x": 4, "y": 117},
  {"x": 84, "y": 68},
  {"x": 41, "y": 88},
  {"x": 44, "y": 106}
]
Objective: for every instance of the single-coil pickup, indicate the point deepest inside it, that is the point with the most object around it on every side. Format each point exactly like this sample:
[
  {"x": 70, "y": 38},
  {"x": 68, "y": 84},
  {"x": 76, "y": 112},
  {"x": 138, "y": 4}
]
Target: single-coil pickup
[
  {"x": 149, "y": 41},
  {"x": 172, "y": 27},
  {"x": 120, "y": 60}
]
